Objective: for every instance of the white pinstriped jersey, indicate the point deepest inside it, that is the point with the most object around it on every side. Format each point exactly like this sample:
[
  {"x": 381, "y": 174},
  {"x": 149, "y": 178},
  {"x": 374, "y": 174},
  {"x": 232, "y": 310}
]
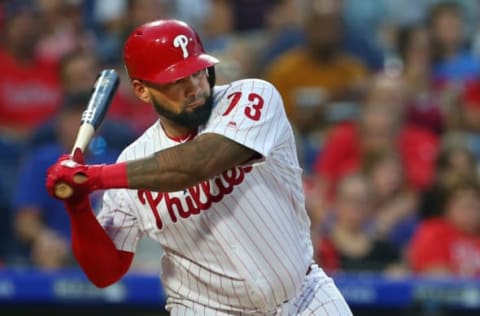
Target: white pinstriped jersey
[{"x": 240, "y": 241}]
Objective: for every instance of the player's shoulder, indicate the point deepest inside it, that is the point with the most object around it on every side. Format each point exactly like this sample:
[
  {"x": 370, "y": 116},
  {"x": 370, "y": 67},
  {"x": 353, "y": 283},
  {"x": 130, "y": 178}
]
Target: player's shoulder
[
  {"x": 246, "y": 89},
  {"x": 246, "y": 85},
  {"x": 243, "y": 93}
]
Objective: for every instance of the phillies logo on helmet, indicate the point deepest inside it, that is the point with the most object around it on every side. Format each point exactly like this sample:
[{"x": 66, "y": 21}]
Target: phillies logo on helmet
[{"x": 181, "y": 41}]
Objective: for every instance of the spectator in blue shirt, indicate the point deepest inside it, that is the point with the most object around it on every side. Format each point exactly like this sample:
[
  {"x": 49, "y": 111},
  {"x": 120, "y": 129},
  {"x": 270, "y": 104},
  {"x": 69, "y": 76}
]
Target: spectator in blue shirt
[{"x": 454, "y": 63}]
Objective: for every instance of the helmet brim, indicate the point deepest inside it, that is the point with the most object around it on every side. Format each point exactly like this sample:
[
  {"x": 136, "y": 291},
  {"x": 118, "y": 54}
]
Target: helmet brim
[{"x": 183, "y": 69}]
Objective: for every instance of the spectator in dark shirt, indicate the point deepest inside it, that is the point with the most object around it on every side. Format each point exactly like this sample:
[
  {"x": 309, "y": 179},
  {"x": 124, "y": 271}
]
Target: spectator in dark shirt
[
  {"x": 346, "y": 245},
  {"x": 394, "y": 205},
  {"x": 454, "y": 161}
]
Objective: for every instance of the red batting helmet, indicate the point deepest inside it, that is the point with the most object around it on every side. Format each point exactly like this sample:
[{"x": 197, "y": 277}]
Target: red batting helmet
[{"x": 164, "y": 51}]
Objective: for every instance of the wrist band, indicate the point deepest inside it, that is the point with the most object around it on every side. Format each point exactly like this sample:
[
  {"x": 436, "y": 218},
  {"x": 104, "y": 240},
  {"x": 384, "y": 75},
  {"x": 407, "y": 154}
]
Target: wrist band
[{"x": 114, "y": 176}]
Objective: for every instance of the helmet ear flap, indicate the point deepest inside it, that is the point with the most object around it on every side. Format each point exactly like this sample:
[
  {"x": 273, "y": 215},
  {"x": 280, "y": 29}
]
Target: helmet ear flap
[{"x": 211, "y": 76}]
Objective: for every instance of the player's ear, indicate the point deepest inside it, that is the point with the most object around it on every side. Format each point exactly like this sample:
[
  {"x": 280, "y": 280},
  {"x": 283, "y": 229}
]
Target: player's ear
[{"x": 141, "y": 91}]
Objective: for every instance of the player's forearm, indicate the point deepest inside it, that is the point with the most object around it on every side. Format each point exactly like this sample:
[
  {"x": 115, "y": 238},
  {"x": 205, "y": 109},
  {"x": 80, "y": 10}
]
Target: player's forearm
[
  {"x": 95, "y": 252},
  {"x": 172, "y": 169},
  {"x": 185, "y": 165},
  {"x": 169, "y": 170},
  {"x": 154, "y": 173}
]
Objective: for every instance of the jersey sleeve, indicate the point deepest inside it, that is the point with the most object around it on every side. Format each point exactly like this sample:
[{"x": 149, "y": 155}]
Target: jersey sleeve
[
  {"x": 251, "y": 113},
  {"x": 119, "y": 221}
]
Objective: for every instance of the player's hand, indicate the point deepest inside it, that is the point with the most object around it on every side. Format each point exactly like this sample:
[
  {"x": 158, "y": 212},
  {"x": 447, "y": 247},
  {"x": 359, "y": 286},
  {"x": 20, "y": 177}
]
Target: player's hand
[{"x": 83, "y": 179}]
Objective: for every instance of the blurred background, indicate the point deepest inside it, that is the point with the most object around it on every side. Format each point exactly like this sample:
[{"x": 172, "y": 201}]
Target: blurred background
[{"x": 384, "y": 98}]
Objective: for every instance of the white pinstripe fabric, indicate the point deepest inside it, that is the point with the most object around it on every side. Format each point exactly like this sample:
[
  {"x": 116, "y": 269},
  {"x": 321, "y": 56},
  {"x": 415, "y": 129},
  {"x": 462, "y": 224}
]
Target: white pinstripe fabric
[
  {"x": 318, "y": 296},
  {"x": 239, "y": 242}
]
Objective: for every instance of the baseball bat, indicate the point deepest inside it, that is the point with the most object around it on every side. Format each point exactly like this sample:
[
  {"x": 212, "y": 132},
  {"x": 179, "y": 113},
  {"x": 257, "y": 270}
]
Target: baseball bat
[{"x": 101, "y": 96}]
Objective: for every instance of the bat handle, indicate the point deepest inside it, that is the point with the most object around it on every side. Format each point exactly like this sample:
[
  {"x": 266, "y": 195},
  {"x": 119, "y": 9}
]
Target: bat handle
[{"x": 84, "y": 135}]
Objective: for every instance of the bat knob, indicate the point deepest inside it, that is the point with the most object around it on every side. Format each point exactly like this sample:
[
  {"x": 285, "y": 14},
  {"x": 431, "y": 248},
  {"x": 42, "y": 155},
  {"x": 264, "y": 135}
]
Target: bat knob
[{"x": 63, "y": 191}]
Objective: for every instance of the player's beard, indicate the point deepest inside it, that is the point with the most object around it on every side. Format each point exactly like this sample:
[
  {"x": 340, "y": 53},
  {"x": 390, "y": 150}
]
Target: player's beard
[{"x": 198, "y": 116}]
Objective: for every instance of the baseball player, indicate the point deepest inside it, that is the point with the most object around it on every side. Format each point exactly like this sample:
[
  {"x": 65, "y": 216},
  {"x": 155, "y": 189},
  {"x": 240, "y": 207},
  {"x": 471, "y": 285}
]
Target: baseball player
[{"x": 215, "y": 181}]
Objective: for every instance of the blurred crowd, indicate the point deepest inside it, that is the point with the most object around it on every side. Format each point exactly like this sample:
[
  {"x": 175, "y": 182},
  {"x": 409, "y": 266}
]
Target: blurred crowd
[{"x": 383, "y": 96}]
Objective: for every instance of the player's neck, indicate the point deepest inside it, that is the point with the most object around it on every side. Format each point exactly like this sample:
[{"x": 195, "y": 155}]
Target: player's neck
[{"x": 177, "y": 132}]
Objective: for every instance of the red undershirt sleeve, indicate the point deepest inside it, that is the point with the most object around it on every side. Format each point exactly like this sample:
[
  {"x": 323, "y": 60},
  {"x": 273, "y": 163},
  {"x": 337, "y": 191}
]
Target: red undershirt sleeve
[{"x": 95, "y": 252}]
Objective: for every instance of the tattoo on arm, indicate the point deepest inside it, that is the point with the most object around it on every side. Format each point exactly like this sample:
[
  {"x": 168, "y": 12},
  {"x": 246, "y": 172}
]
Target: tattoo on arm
[{"x": 182, "y": 166}]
